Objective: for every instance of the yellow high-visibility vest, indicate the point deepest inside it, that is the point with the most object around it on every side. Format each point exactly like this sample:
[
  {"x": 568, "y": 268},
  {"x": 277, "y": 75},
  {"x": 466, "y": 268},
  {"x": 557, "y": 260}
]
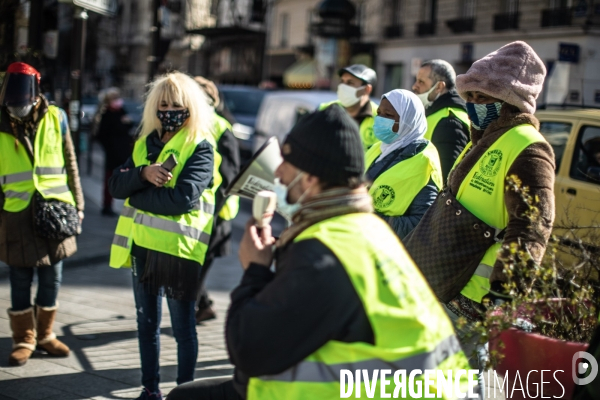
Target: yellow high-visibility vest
[
  {"x": 411, "y": 330},
  {"x": 437, "y": 116},
  {"x": 482, "y": 193},
  {"x": 232, "y": 204},
  {"x": 396, "y": 188},
  {"x": 185, "y": 236},
  {"x": 20, "y": 178}
]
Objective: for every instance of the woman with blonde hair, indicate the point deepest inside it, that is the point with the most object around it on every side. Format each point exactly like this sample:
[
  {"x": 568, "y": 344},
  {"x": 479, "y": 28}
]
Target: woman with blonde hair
[{"x": 165, "y": 226}]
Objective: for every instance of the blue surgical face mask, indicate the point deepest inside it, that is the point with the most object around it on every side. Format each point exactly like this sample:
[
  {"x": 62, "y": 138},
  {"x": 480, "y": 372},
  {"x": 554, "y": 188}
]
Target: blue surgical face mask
[
  {"x": 382, "y": 128},
  {"x": 281, "y": 191},
  {"x": 481, "y": 115}
]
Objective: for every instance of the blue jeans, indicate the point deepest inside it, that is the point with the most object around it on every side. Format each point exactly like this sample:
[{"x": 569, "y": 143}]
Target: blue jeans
[
  {"x": 183, "y": 322},
  {"x": 49, "y": 279}
]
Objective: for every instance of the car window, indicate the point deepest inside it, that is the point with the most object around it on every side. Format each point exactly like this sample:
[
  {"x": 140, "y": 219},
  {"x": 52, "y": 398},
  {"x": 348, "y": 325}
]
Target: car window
[
  {"x": 586, "y": 158},
  {"x": 243, "y": 102},
  {"x": 557, "y": 134}
]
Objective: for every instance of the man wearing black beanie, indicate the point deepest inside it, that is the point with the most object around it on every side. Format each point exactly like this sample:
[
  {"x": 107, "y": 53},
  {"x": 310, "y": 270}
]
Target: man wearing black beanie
[{"x": 344, "y": 295}]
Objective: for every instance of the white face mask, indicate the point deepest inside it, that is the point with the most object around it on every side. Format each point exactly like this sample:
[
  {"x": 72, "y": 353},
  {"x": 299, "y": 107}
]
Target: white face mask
[
  {"x": 347, "y": 94},
  {"x": 281, "y": 191},
  {"x": 424, "y": 97}
]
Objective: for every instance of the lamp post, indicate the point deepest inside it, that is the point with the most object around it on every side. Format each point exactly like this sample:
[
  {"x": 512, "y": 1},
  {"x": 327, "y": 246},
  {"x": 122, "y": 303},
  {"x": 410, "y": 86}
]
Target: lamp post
[
  {"x": 155, "y": 41},
  {"x": 78, "y": 53}
]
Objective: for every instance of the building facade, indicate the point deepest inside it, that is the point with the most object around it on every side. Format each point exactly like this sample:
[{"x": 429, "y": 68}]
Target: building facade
[
  {"x": 396, "y": 36},
  {"x": 564, "y": 33},
  {"x": 233, "y": 43}
]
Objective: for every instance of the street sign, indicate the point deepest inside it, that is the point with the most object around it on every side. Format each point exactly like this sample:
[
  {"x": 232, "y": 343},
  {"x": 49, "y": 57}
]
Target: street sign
[
  {"x": 104, "y": 7},
  {"x": 568, "y": 52}
]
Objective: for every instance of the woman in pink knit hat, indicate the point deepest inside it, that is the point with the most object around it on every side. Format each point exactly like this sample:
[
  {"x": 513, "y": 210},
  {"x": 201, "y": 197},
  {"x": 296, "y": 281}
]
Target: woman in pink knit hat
[{"x": 501, "y": 91}]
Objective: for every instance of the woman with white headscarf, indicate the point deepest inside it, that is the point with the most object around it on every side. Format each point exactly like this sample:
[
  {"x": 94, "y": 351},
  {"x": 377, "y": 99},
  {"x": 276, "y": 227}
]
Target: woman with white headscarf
[{"x": 404, "y": 168}]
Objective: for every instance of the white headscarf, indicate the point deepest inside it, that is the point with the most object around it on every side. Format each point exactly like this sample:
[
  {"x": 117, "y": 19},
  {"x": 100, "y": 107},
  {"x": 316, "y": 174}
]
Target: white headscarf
[{"x": 412, "y": 125}]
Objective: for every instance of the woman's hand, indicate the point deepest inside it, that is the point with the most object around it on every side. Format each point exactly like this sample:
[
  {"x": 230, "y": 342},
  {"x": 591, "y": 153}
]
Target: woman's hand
[{"x": 156, "y": 175}]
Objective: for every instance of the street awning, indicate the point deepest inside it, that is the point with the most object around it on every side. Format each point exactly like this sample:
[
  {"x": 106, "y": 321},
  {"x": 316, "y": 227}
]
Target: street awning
[{"x": 301, "y": 75}]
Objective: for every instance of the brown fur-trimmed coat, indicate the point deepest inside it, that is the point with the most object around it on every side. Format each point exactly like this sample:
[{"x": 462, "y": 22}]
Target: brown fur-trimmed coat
[
  {"x": 19, "y": 245},
  {"x": 534, "y": 167}
]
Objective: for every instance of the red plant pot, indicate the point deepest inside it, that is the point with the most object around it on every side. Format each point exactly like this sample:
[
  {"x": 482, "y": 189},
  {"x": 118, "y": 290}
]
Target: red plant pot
[{"x": 529, "y": 354}]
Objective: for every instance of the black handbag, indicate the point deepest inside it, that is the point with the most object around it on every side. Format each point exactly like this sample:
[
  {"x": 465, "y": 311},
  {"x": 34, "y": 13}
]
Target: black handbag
[
  {"x": 448, "y": 244},
  {"x": 55, "y": 219}
]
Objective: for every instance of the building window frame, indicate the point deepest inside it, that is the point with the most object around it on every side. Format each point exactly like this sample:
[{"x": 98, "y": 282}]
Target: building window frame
[
  {"x": 284, "y": 30},
  {"x": 468, "y": 8}
]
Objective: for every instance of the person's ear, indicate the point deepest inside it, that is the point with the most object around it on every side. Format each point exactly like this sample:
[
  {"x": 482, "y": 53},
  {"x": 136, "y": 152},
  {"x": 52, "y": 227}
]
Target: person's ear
[
  {"x": 441, "y": 87},
  {"x": 310, "y": 180},
  {"x": 369, "y": 89}
]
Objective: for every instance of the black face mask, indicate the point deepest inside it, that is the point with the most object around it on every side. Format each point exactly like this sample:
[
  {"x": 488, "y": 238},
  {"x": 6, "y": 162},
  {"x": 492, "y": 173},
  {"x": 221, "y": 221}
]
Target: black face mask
[
  {"x": 20, "y": 112},
  {"x": 172, "y": 120}
]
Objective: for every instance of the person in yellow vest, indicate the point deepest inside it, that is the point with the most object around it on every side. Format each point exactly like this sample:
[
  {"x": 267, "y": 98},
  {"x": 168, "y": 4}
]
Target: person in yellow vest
[
  {"x": 501, "y": 91},
  {"x": 447, "y": 119},
  {"x": 344, "y": 294},
  {"x": 404, "y": 168},
  {"x": 164, "y": 228},
  {"x": 37, "y": 158},
  {"x": 226, "y": 208},
  {"x": 356, "y": 85}
]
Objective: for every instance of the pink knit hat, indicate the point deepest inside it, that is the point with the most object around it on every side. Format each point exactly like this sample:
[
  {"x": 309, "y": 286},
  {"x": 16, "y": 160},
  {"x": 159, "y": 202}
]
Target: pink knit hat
[{"x": 514, "y": 73}]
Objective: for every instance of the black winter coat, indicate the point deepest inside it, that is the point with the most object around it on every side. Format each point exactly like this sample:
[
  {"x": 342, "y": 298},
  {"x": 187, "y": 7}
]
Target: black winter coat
[
  {"x": 277, "y": 319},
  {"x": 113, "y": 135},
  {"x": 228, "y": 148},
  {"x": 450, "y": 136},
  {"x": 195, "y": 177}
]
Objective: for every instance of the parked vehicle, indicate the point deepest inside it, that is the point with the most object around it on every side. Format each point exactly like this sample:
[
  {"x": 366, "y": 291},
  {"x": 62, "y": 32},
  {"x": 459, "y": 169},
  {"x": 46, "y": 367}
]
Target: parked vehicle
[
  {"x": 243, "y": 103},
  {"x": 575, "y": 137},
  {"x": 280, "y": 110}
]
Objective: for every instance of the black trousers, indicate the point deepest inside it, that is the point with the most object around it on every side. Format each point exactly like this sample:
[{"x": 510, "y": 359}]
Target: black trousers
[{"x": 206, "y": 389}]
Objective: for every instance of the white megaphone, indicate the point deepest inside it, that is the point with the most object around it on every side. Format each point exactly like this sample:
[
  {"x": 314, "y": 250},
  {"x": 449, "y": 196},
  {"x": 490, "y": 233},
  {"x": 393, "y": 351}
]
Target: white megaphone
[{"x": 259, "y": 172}]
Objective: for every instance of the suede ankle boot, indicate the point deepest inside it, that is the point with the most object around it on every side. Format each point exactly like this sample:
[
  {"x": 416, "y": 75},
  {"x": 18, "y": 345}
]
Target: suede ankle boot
[
  {"x": 46, "y": 338},
  {"x": 22, "y": 324}
]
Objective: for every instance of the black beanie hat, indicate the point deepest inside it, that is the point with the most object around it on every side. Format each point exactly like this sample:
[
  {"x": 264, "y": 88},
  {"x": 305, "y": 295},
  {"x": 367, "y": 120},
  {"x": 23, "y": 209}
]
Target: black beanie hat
[{"x": 326, "y": 144}]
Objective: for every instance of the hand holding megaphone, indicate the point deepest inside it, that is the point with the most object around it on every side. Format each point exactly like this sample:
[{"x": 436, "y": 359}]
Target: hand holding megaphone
[
  {"x": 257, "y": 243},
  {"x": 263, "y": 207}
]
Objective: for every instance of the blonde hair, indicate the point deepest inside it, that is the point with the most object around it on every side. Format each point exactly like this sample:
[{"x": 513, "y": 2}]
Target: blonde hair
[
  {"x": 176, "y": 87},
  {"x": 210, "y": 89}
]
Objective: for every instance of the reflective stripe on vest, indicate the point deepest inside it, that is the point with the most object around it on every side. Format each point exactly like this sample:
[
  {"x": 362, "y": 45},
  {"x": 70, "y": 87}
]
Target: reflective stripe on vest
[
  {"x": 185, "y": 236},
  {"x": 20, "y": 178},
  {"x": 172, "y": 227},
  {"x": 367, "y": 135},
  {"x": 394, "y": 190},
  {"x": 310, "y": 371},
  {"x": 16, "y": 177},
  {"x": 437, "y": 116},
  {"x": 482, "y": 193},
  {"x": 120, "y": 248},
  {"x": 11, "y": 194},
  {"x": 395, "y": 298}
]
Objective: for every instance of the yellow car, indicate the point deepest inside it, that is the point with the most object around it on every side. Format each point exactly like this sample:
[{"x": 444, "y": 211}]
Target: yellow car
[{"x": 575, "y": 137}]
